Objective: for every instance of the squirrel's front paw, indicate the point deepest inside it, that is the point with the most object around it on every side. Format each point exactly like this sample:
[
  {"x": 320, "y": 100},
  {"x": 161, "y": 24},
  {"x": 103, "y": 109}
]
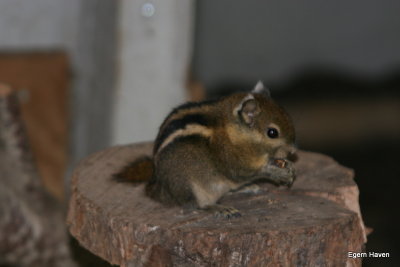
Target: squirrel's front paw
[{"x": 281, "y": 171}]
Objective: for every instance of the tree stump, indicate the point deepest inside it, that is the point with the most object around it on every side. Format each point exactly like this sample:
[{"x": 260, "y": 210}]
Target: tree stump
[{"x": 315, "y": 223}]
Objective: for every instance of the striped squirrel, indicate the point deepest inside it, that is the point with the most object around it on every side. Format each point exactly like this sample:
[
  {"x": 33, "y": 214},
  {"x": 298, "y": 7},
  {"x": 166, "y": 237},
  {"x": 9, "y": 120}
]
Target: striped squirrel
[{"x": 206, "y": 149}]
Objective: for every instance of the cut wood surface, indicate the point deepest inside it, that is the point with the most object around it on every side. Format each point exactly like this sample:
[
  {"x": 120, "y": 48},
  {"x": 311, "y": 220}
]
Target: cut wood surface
[{"x": 315, "y": 223}]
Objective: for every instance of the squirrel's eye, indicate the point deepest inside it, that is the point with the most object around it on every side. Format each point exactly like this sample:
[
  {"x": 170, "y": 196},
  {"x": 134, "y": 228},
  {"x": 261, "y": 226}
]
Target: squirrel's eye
[{"x": 272, "y": 133}]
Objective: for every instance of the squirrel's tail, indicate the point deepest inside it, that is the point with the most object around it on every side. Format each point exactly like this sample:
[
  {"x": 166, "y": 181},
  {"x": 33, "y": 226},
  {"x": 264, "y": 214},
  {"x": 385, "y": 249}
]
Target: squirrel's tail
[{"x": 137, "y": 171}]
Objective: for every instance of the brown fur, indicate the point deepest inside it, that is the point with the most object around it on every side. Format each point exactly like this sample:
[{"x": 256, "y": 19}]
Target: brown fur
[{"x": 208, "y": 149}]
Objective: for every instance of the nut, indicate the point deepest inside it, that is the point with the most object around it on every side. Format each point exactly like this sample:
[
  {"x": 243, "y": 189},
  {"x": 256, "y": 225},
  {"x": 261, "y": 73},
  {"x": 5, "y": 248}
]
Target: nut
[{"x": 281, "y": 163}]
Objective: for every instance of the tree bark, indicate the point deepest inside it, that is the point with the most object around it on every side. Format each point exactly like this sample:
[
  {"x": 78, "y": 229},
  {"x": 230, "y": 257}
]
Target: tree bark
[
  {"x": 315, "y": 223},
  {"x": 32, "y": 228}
]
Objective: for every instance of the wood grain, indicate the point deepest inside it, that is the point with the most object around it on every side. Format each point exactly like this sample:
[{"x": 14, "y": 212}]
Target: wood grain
[{"x": 316, "y": 223}]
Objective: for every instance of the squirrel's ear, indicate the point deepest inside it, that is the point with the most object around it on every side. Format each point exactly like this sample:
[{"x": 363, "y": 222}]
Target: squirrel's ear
[
  {"x": 261, "y": 89},
  {"x": 247, "y": 110}
]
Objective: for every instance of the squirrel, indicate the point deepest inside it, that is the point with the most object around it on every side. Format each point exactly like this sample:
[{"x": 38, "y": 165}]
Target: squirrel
[{"x": 204, "y": 150}]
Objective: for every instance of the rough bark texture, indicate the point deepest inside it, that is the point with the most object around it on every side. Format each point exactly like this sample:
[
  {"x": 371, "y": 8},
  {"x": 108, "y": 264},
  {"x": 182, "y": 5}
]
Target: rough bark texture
[
  {"x": 32, "y": 229},
  {"x": 315, "y": 223},
  {"x": 41, "y": 80}
]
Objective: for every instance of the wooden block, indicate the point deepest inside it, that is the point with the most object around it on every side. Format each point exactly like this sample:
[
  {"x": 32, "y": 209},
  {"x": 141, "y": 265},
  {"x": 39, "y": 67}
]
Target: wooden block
[{"x": 315, "y": 223}]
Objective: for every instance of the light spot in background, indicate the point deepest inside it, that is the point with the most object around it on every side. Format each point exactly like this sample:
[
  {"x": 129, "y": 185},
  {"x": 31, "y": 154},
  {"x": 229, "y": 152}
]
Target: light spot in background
[{"x": 148, "y": 10}]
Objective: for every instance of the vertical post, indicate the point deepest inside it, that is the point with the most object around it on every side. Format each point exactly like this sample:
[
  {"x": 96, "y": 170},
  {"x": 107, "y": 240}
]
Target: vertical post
[
  {"x": 155, "y": 47},
  {"x": 93, "y": 62},
  {"x": 94, "y": 80}
]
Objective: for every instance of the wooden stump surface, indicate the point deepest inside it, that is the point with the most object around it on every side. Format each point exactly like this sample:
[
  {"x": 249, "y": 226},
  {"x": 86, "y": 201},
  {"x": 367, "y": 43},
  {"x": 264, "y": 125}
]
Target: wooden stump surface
[{"x": 315, "y": 223}]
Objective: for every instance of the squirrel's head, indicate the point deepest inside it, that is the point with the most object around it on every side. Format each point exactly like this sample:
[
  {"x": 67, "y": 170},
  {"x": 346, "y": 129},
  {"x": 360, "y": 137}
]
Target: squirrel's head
[{"x": 259, "y": 120}]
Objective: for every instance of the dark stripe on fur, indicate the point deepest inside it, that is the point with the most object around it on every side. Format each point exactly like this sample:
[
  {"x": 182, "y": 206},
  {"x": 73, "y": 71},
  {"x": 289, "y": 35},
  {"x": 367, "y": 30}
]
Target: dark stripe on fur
[
  {"x": 190, "y": 105},
  {"x": 181, "y": 123}
]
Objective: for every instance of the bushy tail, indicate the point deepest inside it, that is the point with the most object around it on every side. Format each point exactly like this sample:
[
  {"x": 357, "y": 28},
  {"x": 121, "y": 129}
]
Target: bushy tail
[{"x": 138, "y": 171}]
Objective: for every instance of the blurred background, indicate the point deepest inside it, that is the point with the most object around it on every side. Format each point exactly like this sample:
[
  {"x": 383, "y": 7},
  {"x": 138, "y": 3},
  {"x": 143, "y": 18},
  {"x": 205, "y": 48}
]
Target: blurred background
[{"x": 91, "y": 74}]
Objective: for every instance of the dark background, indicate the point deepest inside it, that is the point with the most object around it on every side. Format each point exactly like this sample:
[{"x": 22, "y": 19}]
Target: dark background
[{"x": 336, "y": 67}]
